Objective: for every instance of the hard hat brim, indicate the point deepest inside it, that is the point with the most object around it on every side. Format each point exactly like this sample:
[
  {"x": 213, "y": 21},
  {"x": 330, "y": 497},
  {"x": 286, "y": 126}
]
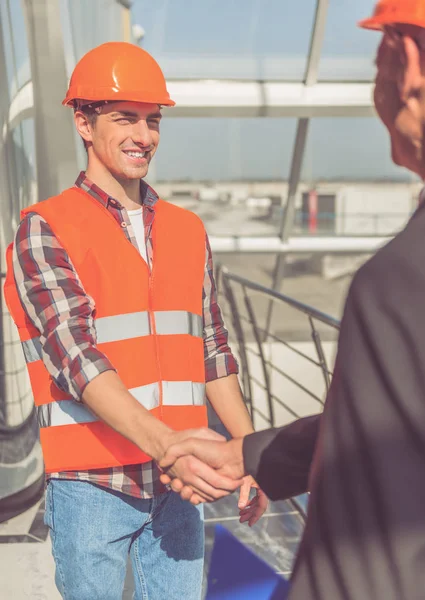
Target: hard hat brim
[
  {"x": 85, "y": 93},
  {"x": 377, "y": 24}
]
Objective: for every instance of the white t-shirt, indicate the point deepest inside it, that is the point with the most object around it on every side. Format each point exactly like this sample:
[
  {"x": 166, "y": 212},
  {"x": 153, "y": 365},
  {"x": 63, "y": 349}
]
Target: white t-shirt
[{"x": 136, "y": 219}]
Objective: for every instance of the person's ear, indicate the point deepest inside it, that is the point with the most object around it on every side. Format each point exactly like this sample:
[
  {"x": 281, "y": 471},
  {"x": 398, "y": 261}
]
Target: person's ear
[
  {"x": 412, "y": 78},
  {"x": 83, "y": 126}
]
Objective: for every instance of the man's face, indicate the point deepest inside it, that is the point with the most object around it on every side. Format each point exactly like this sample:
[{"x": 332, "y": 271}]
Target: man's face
[
  {"x": 404, "y": 118},
  {"x": 125, "y": 137}
]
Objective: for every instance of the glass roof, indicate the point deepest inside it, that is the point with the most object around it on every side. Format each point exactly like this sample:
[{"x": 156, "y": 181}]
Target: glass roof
[
  {"x": 237, "y": 39},
  {"x": 355, "y": 149},
  {"x": 256, "y": 39},
  {"x": 348, "y": 52},
  {"x": 214, "y": 149}
]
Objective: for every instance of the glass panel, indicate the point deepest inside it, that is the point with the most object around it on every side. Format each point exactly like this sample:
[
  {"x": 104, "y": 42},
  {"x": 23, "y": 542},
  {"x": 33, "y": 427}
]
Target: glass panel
[
  {"x": 92, "y": 23},
  {"x": 29, "y": 156},
  {"x": 355, "y": 149},
  {"x": 24, "y": 148},
  {"x": 7, "y": 49},
  {"x": 348, "y": 52},
  {"x": 20, "y": 44},
  {"x": 238, "y": 39},
  {"x": 232, "y": 172}
]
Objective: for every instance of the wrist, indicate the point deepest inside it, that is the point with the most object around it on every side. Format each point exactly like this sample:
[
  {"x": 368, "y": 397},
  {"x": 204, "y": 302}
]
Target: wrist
[
  {"x": 157, "y": 440},
  {"x": 235, "y": 447}
]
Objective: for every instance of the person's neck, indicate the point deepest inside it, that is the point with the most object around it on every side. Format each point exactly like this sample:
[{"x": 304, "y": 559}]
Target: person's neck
[{"x": 126, "y": 192}]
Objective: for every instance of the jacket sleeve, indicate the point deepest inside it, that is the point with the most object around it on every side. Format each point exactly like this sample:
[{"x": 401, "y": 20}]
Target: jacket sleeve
[{"x": 280, "y": 459}]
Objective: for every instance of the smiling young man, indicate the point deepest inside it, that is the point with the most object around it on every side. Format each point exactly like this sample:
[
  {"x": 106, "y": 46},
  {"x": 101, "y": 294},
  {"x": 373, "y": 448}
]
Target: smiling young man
[{"x": 113, "y": 293}]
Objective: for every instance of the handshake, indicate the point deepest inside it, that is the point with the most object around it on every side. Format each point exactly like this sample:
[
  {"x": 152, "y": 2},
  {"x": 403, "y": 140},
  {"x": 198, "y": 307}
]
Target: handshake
[{"x": 202, "y": 466}]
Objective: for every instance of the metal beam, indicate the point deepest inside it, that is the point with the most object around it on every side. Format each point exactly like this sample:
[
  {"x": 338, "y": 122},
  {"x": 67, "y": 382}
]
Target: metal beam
[
  {"x": 251, "y": 99},
  {"x": 312, "y": 69},
  {"x": 217, "y": 98},
  {"x": 316, "y": 42}
]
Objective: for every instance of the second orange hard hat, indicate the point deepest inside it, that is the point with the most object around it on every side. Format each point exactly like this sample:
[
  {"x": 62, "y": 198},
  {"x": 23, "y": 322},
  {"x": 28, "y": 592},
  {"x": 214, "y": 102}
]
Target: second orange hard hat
[
  {"x": 117, "y": 71},
  {"x": 391, "y": 12}
]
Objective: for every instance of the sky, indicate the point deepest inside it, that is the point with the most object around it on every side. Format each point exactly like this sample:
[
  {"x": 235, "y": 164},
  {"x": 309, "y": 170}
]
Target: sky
[{"x": 263, "y": 39}]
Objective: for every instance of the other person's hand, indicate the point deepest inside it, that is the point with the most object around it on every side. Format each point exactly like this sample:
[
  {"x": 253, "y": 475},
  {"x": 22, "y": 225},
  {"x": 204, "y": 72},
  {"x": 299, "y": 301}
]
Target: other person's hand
[{"x": 253, "y": 510}]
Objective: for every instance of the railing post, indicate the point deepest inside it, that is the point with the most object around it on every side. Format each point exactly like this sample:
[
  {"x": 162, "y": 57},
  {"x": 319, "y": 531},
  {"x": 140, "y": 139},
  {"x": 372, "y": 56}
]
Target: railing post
[
  {"x": 240, "y": 338},
  {"x": 261, "y": 353},
  {"x": 320, "y": 353}
]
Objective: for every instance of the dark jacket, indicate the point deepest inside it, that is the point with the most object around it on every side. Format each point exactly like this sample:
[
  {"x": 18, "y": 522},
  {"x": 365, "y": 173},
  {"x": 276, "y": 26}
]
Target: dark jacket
[{"x": 365, "y": 533}]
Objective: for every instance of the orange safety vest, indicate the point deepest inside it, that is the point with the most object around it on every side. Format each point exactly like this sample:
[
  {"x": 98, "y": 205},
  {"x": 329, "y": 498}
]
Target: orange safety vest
[{"x": 149, "y": 325}]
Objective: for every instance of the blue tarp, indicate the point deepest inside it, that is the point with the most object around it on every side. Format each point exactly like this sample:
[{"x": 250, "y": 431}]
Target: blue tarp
[{"x": 237, "y": 573}]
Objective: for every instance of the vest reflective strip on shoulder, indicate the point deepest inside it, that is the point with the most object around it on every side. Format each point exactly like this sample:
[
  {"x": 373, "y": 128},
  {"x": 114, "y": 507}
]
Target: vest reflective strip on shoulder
[
  {"x": 175, "y": 393},
  {"x": 131, "y": 325}
]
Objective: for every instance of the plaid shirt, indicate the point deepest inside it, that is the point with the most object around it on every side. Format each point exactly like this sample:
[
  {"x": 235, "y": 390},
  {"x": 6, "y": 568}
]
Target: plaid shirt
[{"x": 56, "y": 303}]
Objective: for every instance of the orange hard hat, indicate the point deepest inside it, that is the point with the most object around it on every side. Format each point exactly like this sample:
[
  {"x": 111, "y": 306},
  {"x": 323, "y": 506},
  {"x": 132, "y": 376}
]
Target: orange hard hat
[
  {"x": 117, "y": 71},
  {"x": 391, "y": 12}
]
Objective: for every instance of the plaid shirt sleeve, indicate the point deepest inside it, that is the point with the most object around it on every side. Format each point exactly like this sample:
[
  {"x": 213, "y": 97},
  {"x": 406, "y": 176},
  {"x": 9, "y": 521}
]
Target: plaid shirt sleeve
[
  {"x": 219, "y": 360},
  {"x": 56, "y": 303}
]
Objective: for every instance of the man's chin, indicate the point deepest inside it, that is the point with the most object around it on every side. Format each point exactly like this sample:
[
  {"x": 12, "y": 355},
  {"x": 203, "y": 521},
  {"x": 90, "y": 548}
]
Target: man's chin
[{"x": 135, "y": 173}]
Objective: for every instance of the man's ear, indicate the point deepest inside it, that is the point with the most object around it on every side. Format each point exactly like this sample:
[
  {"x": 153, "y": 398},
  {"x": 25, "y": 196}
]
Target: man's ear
[
  {"x": 83, "y": 126},
  {"x": 412, "y": 79}
]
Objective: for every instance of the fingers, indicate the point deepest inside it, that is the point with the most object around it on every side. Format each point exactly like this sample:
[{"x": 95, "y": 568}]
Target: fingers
[
  {"x": 255, "y": 509},
  {"x": 207, "y": 451},
  {"x": 165, "y": 479},
  {"x": 244, "y": 493},
  {"x": 204, "y": 480}
]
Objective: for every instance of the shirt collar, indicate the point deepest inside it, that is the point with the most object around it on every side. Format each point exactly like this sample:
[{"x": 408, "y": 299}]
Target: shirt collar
[{"x": 150, "y": 197}]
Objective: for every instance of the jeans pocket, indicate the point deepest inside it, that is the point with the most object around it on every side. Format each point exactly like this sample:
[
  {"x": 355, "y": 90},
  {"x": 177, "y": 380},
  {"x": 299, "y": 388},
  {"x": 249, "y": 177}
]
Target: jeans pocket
[{"x": 48, "y": 511}]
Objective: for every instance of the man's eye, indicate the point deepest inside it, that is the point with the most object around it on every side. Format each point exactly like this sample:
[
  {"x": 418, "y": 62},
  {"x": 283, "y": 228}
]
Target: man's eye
[{"x": 123, "y": 120}]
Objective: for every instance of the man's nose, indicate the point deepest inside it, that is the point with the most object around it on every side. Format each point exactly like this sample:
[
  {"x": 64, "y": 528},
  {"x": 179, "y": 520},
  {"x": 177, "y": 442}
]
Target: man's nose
[{"x": 142, "y": 134}]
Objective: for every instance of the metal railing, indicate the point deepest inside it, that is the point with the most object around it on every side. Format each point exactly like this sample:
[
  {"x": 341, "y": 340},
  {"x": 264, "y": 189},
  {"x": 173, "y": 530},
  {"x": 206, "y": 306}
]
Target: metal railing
[
  {"x": 285, "y": 368},
  {"x": 308, "y": 339}
]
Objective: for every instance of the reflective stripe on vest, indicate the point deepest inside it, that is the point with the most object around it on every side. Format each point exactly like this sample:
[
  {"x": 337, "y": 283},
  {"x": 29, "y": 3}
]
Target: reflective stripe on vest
[
  {"x": 175, "y": 393},
  {"x": 131, "y": 325}
]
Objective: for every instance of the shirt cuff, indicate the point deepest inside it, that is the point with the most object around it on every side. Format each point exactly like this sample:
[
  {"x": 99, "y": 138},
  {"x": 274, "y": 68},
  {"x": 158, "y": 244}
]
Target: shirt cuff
[
  {"x": 88, "y": 364},
  {"x": 221, "y": 365}
]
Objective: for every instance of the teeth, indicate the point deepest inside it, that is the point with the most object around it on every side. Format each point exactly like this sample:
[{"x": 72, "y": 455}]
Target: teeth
[{"x": 136, "y": 154}]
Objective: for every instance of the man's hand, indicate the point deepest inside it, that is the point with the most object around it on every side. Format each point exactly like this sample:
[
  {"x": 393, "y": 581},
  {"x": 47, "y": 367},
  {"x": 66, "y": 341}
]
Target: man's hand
[
  {"x": 191, "y": 476},
  {"x": 226, "y": 458}
]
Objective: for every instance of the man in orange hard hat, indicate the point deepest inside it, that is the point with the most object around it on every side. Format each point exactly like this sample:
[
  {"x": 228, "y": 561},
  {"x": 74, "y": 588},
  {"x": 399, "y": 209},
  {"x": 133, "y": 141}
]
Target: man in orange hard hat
[
  {"x": 113, "y": 293},
  {"x": 365, "y": 532}
]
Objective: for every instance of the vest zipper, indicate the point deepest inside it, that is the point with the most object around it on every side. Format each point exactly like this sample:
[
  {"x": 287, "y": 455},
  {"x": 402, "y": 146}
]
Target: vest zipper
[
  {"x": 150, "y": 295},
  {"x": 154, "y": 333}
]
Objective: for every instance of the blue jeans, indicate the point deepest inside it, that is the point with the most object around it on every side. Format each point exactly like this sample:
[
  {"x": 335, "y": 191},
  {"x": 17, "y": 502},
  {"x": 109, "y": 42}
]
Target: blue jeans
[{"x": 93, "y": 530}]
